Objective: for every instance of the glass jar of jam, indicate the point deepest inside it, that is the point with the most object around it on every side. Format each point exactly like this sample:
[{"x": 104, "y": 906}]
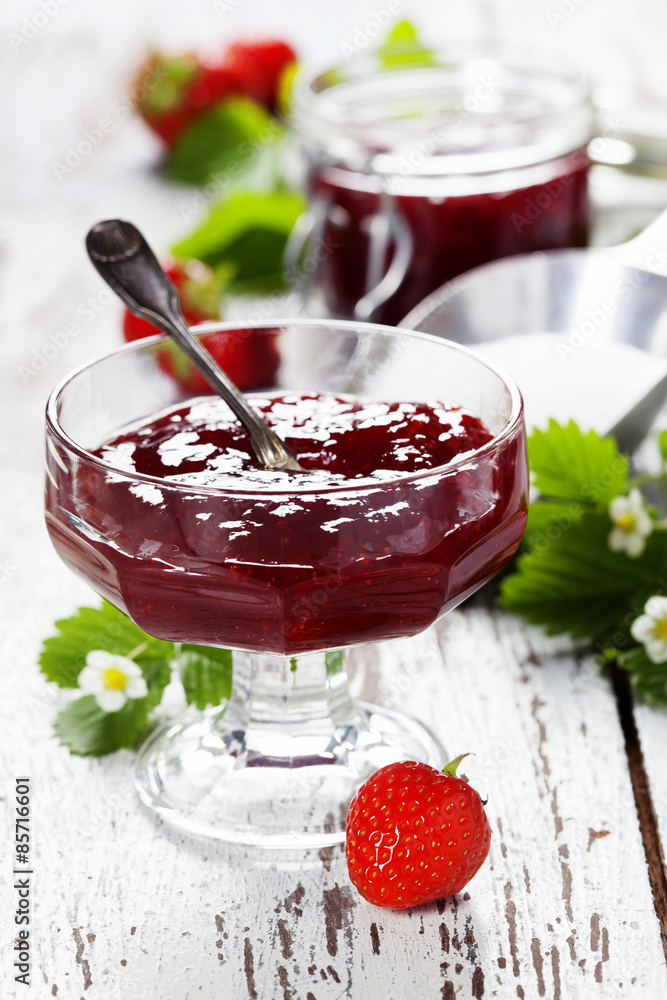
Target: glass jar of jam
[{"x": 424, "y": 166}]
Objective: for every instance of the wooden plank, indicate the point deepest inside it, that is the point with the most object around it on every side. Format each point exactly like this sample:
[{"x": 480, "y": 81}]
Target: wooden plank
[
  {"x": 562, "y": 908},
  {"x": 648, "y": 742},
  {"x": 568, "y": 874},
  {"x": 652, "y": 728},
  {"x": 127, "y": 908}
]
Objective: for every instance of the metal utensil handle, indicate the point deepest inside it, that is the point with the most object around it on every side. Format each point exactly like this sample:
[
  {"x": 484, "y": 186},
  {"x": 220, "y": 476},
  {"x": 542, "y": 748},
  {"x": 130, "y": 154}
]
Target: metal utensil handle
[
  {"x": 124, "y": 259},
  {"x": 396, "y": 230},
  {"x": 308, "y": 231}
]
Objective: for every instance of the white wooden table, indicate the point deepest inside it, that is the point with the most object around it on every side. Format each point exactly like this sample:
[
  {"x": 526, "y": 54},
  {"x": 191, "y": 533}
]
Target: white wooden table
[{"x": 565, "y": 907}]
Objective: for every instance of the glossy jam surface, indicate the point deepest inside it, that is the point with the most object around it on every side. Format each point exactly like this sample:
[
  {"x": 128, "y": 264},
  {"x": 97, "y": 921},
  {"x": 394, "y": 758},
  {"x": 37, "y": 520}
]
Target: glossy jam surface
[
  {"x": 214, "y": 550},
  {"x": 339, "y": 439},
  {"x": 450, "y": 234}
]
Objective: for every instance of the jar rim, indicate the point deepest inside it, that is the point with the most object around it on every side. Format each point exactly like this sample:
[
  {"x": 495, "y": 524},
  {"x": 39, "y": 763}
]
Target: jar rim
[{"x": 462, "y": 111}]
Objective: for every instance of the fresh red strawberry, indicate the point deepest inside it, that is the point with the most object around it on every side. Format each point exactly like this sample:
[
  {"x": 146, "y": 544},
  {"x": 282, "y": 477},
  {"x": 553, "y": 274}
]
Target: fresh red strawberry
[
  {"x": 200, "y": 301},
  {"x": 213, "y": 85},
  {"x": 162, "y": 84},
  {"x": 261, "y": 66},
  {"x": 177, "y": 91},
  {"x": 249, "y": 357},
  {"x": 415, "y": 834},
  {"x": 200, "y": 298}
]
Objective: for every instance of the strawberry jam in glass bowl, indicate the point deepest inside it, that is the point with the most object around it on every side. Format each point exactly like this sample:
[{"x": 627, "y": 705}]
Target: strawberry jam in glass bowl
[
  {"x": 423, "y": 167},
  {"x": 416, "y": 497}
]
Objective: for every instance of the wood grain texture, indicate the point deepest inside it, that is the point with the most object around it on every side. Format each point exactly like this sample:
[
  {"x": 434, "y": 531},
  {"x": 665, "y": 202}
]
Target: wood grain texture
[
  {"x": 562, "y": 908},
  {"x": 652, "y": 728},
  {"x": 651, "y": 733},
  {"x": 124, "y": 907}
]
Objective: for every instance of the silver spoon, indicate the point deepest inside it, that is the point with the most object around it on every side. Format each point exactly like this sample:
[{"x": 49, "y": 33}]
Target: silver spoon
[{"x": 128, "y": 265}]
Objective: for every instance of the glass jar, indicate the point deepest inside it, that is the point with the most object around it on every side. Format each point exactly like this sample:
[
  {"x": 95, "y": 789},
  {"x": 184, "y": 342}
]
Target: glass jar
[{"x": 423, "y": 167}]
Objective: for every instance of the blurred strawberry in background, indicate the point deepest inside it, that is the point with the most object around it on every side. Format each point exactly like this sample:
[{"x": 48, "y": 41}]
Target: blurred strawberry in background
[
  {"x": 262, "y": 67},
  {"x": 212, "y": 114},
  {"x": 201, "y": 297},
  {"x": 188, "y": 86},
  {"x": 250, "y": 358}
]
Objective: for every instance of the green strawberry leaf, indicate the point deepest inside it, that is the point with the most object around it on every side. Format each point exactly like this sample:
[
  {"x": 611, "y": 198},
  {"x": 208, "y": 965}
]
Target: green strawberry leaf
[
  {"x": 575, "y": 585},
  {"x": 648, "y": 678},
  {"x": 567, "y": 463},
  {"x": 172, "y": 78},
  {"x": 567, "y": 579},
  {"x": 206, "y": 674},
  {"x": 64, "y": 655},
  {"x": 246, "y": 233},
  {"x": 403, "y": 46},
  {"x": 88, "y": 731},
  {"x": 157, "y": 672},
  {"x": 547, "y": 518},
  {"x": 662, "y": 444},
  {"x": 225, "y": 139}
]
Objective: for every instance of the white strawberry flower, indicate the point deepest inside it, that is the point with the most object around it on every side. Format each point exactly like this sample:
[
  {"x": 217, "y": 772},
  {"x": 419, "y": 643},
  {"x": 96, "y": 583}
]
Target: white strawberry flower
[
  {"x": 650, "y": 629},
  {"x": 113, "y": 680},
  {"x": 632, "y": 524}
]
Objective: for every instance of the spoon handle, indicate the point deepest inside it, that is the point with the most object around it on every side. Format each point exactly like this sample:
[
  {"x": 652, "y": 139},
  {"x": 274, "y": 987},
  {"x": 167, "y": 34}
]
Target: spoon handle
[{"x": 128, "y": 265}]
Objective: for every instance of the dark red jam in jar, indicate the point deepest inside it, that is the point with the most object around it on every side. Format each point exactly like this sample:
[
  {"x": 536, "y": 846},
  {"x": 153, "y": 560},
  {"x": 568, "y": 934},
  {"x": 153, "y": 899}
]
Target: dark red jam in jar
[{"x": 417, "y": 173}]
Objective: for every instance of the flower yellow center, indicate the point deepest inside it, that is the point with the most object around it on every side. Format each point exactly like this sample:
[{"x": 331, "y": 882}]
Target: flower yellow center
[
  {"x": 660, "y": 629},
  {"x": 627, "y": 522},
  {"x": 114, "y": 679}
]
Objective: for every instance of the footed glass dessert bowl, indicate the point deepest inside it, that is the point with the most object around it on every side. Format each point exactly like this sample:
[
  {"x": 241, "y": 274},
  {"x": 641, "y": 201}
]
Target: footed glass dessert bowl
[{"x": 415, "y": 495}]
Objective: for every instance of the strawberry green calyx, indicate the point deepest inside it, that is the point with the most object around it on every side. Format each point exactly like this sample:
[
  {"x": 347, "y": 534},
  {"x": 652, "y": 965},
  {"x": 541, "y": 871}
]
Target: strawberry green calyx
[
  {"x": 174, "y": 76},
  {"x": 201, "y": 290},
  {"x": 453, "y": 765}
]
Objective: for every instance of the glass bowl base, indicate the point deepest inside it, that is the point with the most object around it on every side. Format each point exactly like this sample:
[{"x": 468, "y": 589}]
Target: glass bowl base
[{"x": 262, "y": 788}]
